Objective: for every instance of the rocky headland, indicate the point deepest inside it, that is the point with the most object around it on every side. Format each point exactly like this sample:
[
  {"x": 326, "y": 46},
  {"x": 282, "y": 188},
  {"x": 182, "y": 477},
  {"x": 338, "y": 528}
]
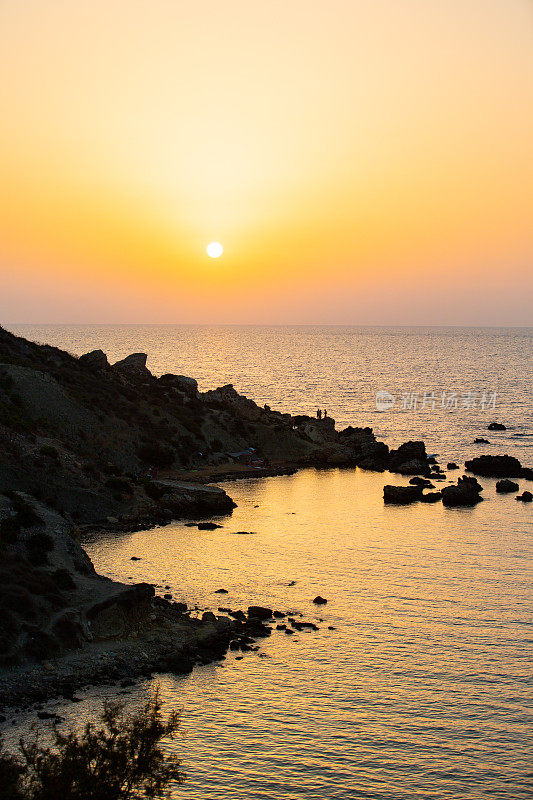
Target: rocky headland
[{"x": 85, "y": 444}]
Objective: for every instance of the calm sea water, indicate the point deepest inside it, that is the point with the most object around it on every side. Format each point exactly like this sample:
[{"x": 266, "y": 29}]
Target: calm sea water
[{"x": 424, "y": 687}]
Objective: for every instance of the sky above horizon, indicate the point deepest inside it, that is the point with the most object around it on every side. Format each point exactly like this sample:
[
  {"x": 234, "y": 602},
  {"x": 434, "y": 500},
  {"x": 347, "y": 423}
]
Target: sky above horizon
[{"x": 361, "y": 161}]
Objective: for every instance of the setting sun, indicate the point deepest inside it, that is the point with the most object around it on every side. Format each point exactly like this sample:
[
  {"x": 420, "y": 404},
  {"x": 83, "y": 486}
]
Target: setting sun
[{"x": 214, "y": 250}]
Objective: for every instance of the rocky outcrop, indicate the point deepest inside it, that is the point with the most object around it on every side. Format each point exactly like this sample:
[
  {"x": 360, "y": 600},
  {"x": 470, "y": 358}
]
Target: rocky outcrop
[
  {"x": 45, "y": 580},
  {"x": 409, "y": 459},
  {"x": 186, "y": 500},
  {"x": 367, "y": 452},
  {"x": 135, "y": 364},
  {"x": 498, "y": 467},
  {"x": 96, "y": 359},
  {"x": 496, "y": 426},
  {"x": 467, "y": 492},
  {"x": 228, "y": 398},
  {"x": 122, "y": 613},
  {"x": 181, "y": 383}
]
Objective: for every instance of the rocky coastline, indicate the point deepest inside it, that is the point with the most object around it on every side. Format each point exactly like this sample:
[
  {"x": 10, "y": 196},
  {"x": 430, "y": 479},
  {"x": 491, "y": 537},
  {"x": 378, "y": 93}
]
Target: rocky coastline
[{"x": 90, "y": 446}]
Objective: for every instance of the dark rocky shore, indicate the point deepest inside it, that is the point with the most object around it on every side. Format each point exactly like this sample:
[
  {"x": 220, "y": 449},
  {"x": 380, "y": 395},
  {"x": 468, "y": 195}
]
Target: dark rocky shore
[
  {"x": 86, "y": 445},
  {"x": 89, "y": 445}
]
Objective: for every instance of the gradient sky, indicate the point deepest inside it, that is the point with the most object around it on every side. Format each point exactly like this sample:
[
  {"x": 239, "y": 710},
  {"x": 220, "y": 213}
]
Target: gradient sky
[{"x": 361, "y": 161}]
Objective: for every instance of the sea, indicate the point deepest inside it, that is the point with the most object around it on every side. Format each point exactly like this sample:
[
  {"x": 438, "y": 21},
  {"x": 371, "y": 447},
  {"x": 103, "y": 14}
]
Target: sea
[{"x": 418, "y": 683}]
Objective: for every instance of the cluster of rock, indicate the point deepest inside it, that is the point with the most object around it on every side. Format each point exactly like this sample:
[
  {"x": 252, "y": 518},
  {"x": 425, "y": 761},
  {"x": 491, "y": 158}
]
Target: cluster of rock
[{"x": 467, "y": 490}]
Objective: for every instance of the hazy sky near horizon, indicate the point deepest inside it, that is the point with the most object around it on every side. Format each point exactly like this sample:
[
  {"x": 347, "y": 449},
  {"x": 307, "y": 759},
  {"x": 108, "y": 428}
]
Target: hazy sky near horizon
[{"x": 361, "y": 161}]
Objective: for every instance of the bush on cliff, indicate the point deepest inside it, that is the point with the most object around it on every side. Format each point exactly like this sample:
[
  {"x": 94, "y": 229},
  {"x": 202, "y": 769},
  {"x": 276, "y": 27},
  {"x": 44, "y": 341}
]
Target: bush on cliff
[
  {"x": 50, "y": 451},
  {"x": 121, "y": 759},
  {"x": 156, "y": 455},
  {"x": 120, "y": 485}
]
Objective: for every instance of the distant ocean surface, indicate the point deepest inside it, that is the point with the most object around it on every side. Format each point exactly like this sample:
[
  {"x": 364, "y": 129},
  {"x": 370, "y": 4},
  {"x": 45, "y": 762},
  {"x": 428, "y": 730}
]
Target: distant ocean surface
[{"x": 424, "y": 687}]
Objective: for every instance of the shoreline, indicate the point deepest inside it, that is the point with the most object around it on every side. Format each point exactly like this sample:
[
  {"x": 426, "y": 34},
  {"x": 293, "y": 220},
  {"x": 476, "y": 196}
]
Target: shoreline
[{"x": 81, "y": 446}]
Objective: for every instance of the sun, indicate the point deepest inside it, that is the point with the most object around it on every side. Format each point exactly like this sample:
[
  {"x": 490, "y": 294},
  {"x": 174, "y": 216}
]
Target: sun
[{"x": 214, "y": 250}]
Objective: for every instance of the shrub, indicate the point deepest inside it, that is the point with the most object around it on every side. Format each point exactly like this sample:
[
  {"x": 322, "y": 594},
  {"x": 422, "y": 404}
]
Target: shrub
[
  {"x": 40, "y": 541},
  {"x": 156, "y": 454},
  {"x": 27, "y": 517},
  {"x": 15, "y": 418},
  {"x": 119, "y": 485},
  {"x": 38, "y": 558},
  {"x": 63, "y": 579},
  {"x": 112, "y": 469},
  {"x": 121, "y": 759},
  {"x": 6, "y": 382},
  {"x": 9, "y": 530},
  {"x": 155, "y": 491},
  {"x": 50, "y": 451},
  {"x": 18, "y": 600},
  {"x": 11, "y": 771}
]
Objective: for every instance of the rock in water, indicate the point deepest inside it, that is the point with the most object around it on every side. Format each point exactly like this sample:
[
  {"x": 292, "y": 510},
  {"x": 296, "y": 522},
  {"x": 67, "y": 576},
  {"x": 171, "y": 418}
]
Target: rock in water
[
  {"x": 525, "y": 497},
  {"x": 504, "y": 486},
  {"x": 409, "y": 459},
  {"x": 424, "y": 482},
  {"x": 466, "y": 493},
  {"x": 401, "y": 495},
  {"x": 496, "y": 466},
  {"x": 496, "y": 426},
  {"x": 431, "y": 497},
  {"x": 320, "y": 601},
  {"x": 260, "y": 612}
]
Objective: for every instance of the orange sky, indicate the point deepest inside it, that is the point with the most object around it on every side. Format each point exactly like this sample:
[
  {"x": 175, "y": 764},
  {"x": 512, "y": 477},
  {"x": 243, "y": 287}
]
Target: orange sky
[{"x": 361, "y": 161}]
